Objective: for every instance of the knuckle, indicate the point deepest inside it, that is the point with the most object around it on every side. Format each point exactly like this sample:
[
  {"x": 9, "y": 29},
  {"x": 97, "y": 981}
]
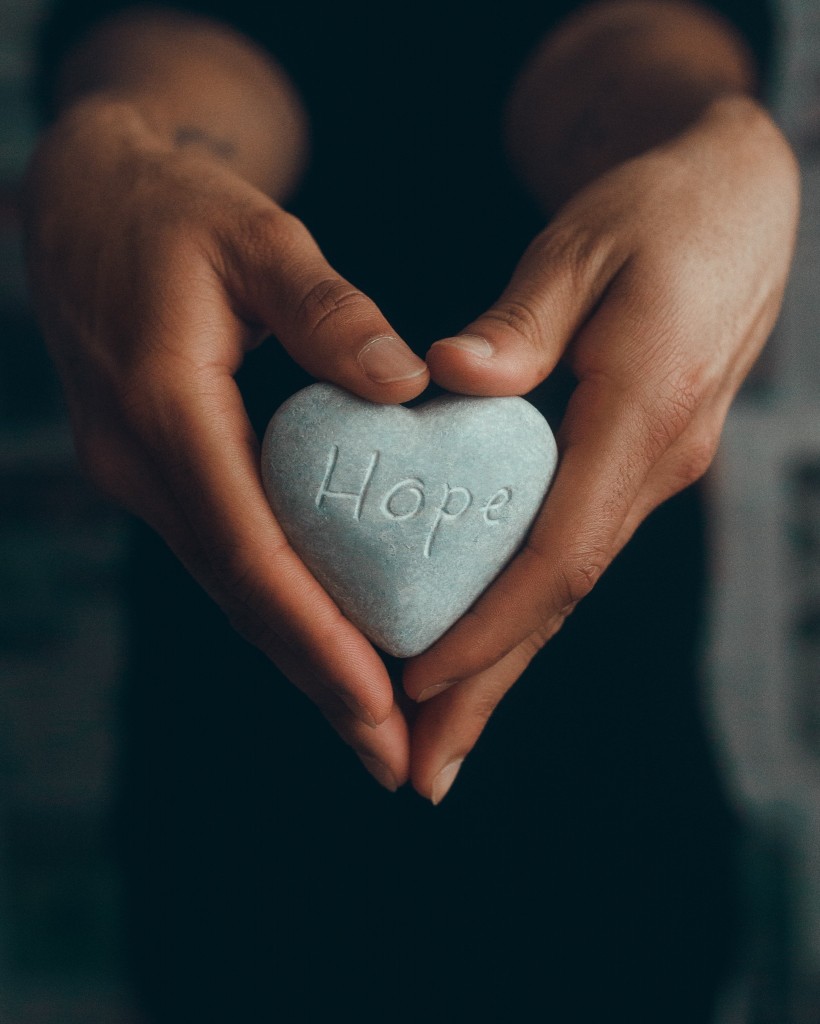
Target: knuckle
[
  {"x": 518, "y": 315},
  {"x": 267, "y": 237},
  {"x": 567, "y": 582},
  {"x": 541, "y": 636},
  {"x": 577, "y": 577},
  {"x": 484, "y": 706},
  {"x": 581, "y": 252},
  {"x": 565, "y": 261},
  {"x": 696, "y": 457},
  {"x": 669, "y": 406},
  {"x": 681, "y": 396},
  {"x": 265, "y": 227},
  {"x": 329, "y": 299}
]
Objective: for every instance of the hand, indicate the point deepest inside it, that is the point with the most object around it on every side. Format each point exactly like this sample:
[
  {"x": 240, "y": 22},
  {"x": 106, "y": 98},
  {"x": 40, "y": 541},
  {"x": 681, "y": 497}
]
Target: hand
[
  {"x": 154, "y": 271},
  {"x": 658, "y": 284}
]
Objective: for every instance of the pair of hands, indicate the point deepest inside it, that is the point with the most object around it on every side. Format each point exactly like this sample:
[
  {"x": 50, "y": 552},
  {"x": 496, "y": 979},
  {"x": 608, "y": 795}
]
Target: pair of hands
[{"x": 155, "y": 270}]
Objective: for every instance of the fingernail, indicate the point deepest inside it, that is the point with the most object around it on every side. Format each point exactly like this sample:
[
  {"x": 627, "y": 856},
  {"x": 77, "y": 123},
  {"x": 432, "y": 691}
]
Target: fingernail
[
  {"x": 445, "y": 778},
  {"x": 431, "y": 691},
  {"x": 470, "y": 343},
  {"x": 380, "y": 772},
  {"x": 387, "y": 359}
]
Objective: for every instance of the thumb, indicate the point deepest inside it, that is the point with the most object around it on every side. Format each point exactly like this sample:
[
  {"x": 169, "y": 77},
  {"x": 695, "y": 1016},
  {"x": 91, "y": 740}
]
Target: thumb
[
  {"x": 515, "y": 345},
  {"x": 331, "y": 329}
]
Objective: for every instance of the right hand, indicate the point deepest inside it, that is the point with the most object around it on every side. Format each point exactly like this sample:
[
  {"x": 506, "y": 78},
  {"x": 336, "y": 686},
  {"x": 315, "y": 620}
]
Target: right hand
[{"x": 154, "y": 271}]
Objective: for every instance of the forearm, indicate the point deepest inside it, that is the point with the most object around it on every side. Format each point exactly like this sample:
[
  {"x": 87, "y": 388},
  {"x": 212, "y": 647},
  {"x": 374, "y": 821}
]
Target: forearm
[
  {"x": 615, "y": 80},
  {"x": 193, "y": 83}
]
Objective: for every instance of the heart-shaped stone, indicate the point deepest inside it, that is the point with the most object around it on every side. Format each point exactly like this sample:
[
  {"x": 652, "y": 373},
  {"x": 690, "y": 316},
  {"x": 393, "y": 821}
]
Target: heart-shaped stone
[{"x": 405, "y": 515}]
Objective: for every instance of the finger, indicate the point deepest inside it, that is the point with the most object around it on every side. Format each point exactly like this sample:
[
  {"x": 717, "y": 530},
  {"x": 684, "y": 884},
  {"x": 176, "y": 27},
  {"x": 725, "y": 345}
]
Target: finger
[
  {"x": 383, "y": 751},
  {"x": 269, "y": 593},
  {"x": 180, "y": 408},
  {"x": 190, "y": 423},
  {"x": 610, "y": 440},
  {"x": 114, "y": 461},
  {"x": 684, "y": 463},
  {"x": 446, "y": 729},
  {"x": 279, "y": 276},
  {"x": 512, "y": 347},
  {"x": 639, "y": 388}
]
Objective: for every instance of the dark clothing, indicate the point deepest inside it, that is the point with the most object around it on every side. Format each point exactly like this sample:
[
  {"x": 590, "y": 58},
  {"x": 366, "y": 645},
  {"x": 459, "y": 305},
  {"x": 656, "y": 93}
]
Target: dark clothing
[{"x": 580, "y": 868}]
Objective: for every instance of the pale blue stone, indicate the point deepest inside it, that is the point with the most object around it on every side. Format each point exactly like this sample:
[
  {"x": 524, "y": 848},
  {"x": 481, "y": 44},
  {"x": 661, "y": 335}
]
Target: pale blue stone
[{"x": 406, "y": 515}]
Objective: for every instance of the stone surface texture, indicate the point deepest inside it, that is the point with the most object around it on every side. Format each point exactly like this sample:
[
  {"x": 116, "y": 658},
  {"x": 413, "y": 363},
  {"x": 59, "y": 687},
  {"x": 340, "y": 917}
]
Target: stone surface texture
[{"x": 406, "y": 515}]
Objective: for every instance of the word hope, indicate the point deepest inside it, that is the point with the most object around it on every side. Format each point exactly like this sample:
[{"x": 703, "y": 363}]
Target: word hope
[{"x": 407, "y": 499}]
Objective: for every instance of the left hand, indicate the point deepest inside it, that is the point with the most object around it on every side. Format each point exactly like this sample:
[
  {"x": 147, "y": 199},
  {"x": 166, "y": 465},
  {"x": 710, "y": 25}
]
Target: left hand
[{"x": 658, "y": 284}]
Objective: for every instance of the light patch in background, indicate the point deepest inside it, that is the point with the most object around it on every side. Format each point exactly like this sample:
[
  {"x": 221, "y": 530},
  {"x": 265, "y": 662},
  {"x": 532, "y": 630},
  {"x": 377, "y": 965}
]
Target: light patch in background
[{"x": 763, "y": 664}]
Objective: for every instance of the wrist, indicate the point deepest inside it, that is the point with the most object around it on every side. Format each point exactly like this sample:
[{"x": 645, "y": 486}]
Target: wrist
[
  {"x": 614, "y": 81},
  {"x": 739, "y": 115},
  {"x": 196, "y": 84},
  {"x": 103, "y": 118},
  {"x": 94, "y": 137},
  {"x": 741, "y": 128}
]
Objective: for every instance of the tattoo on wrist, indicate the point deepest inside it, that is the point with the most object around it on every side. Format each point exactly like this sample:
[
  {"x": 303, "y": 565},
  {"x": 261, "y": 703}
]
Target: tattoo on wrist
[{"x": 190, "y": 135}]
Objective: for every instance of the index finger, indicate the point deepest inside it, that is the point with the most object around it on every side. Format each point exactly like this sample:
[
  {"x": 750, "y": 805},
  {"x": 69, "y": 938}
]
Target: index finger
[
  {"x": 203, "y": 445},
  {"x": 609, "y": 441}
]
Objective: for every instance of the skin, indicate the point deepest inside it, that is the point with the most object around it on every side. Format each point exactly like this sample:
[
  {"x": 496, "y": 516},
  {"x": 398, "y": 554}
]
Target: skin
[{"x": 673, "y": 201}]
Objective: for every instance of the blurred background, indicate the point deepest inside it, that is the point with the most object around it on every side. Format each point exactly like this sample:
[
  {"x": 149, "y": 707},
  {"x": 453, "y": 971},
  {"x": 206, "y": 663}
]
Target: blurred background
[{"x": 62, "y": 553}]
